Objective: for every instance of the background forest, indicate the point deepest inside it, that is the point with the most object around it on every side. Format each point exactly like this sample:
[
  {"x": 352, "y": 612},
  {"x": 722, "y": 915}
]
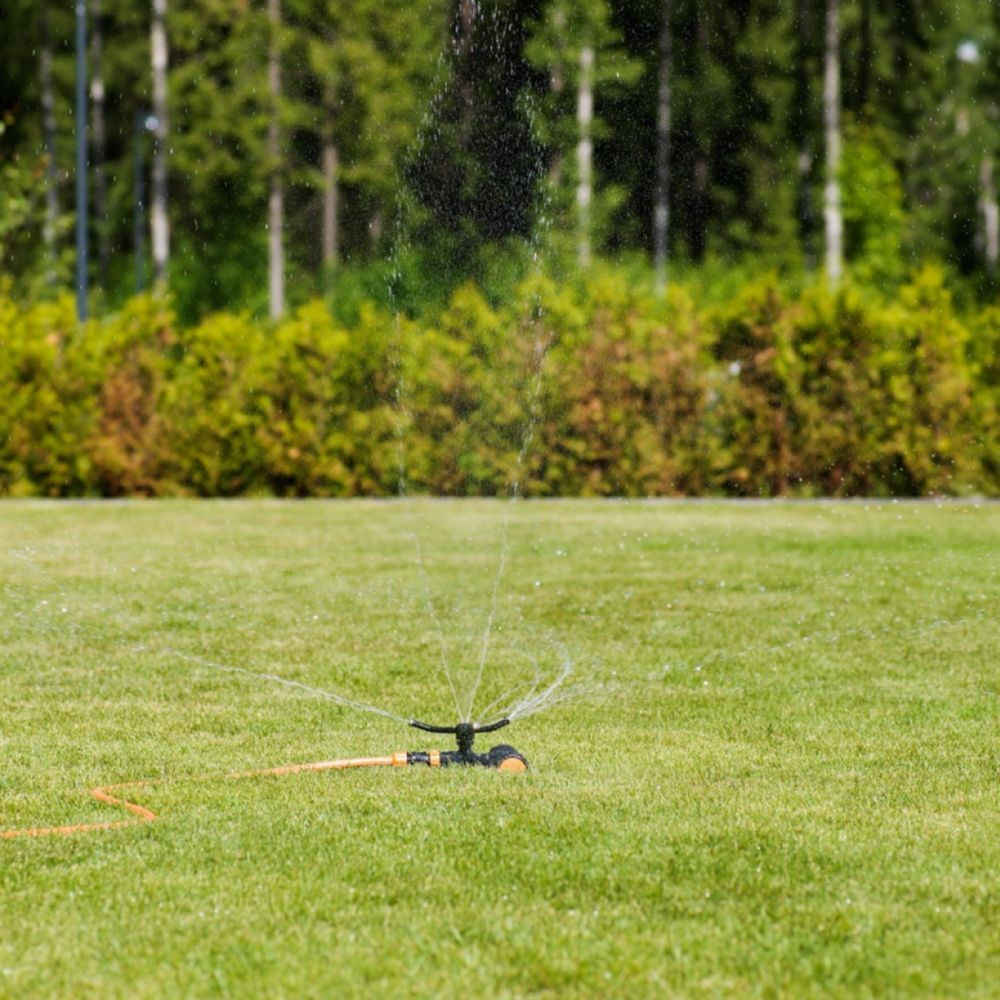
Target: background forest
[{"x": 785, "y": 193}]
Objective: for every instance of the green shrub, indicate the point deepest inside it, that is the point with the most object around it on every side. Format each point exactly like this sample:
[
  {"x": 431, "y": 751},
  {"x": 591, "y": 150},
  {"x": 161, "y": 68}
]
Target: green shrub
[
  {"x": 211, "y": 410},
  {"x": 930, "y": 442},
  {"x": 324, "y": 427},
  {"x": 129, "y": 447},
  {"x": 752, "y": 410},
  {"x": 562, "y": 390},
  {"x": 630, "y": 393},
  {"x": 874, "y": 216},
  {"x": 835, "y": 396},
  {"x": 48, "y": 371},
  {"x": 984, "y": 358}
]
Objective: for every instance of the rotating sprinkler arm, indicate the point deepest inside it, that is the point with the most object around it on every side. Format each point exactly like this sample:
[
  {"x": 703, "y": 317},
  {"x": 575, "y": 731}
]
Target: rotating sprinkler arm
[{"x": 428, "y": 728}]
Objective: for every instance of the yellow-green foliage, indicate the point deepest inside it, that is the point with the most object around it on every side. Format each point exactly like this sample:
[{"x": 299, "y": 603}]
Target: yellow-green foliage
[
  {"x": 599, "y": 391},
  {"x": 49, "y": 370},
  {"x": 627, "y": 405},
  {"x": 129, "y": 445},
  {"x": 835, "y": 396},
  {"x": 324, "y": 421},
  {"x": 985, "y": 353}
]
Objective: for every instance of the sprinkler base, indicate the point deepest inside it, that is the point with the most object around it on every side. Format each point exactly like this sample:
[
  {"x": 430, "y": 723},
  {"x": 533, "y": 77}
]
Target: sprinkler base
[{"x": 502, "y": 757}]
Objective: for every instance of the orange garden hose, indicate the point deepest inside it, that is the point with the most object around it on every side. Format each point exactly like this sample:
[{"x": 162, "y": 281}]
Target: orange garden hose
[
  {"x": 502, "y": 758},
  {"x": 143, "y": 815}
]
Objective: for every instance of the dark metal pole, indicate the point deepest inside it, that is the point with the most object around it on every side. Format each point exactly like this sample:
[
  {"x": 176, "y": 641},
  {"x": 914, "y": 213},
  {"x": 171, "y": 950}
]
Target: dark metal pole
[
  {"x": 81, "y": 160},
  {"x": 139, "y": 237}
]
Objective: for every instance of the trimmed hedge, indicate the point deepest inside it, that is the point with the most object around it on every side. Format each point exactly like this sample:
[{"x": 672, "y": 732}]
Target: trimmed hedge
[{"x": 591, "y": 391}]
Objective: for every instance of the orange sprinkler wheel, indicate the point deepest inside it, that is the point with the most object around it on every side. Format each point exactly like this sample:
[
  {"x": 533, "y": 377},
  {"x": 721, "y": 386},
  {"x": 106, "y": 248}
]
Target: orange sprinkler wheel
[{"x": 514, "y": 764}]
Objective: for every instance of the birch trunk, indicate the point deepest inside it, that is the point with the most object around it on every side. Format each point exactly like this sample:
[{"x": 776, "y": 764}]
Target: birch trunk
[
  {"x": 160, "y": 223},
  {"x": 376, "y": 227},
  {"x": 462, "y": 43},
  {"x": 803, "y": 131},
  {"x": 330, "y": 203},
  {"x": 699, "y": 179},
  {"x": 661, "y": 211},
  {"x": 82, "y": 166},
  {"x": 276, "y": 200},
  {"x": 330, "y": 162},
  {"x": 557, "y": 84},
  {"x": 49, "y": 133},
  {"x": 831, "y": 121},
  {"x": 99, "y": 133},
  {"x": 585, "y": 154},
  {"x": 991, "y": 215},
  {"x": 865, "y": 58}
]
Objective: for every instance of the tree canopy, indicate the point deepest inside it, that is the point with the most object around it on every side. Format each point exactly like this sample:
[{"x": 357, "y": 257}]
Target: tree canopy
[{"x": 441, "y": 138}]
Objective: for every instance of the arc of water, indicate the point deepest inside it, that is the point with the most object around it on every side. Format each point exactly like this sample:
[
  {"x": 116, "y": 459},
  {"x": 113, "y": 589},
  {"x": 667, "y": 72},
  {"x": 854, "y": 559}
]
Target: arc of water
[
  {"x": 402, "y": 412},
  {"x": 288, "y": 682},
  {"x": 484, "y": 648},
  {"x": 539, "y": 352},
  {"x": 442, "y": 641},
  {"x": 507, "y": 696},
  {"x": 535, "y": 700},
  {"x": 77, "y": 628},
  {"x": 542, "y": 225}
]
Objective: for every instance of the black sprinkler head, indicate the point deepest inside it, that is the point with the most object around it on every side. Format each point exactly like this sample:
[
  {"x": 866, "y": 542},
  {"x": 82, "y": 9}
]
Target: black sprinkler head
[
  {"x": 502, "y": 757},
  {"x": 465, "y": 736}
]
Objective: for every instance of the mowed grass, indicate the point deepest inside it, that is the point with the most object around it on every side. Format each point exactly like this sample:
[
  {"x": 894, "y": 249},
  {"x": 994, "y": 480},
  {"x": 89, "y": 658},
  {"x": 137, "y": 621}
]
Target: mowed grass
[{"x": 783, "y": 780}]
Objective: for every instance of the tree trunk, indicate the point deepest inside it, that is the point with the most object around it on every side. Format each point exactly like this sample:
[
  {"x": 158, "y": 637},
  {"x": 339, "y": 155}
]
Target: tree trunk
[
  {"x": 330, "y": 199},
  {"x": 80, "y": 120},
  {"x": 803, "y": 126},
  {"x": 99, "y": 140},
  {"x": 49, "y": 133},
  {"x": 557, "y": 84},
  {"x": 661, "y": 211},
  {"x": 376, "y": 228},
  {"x": 330, "y": 163},
  {"x": 831, "y": 121},
  {"x": 276, "y": 201},
  {"x": 699, "y": 181},
  {"x": 585, "y": 153},
  {"x": 139, "y": 192},
  {"x": 464, "y": 30},
  {"x": 160, "y": 220},
  {"x": 865, "y": 57},
  {"x": 991, "y": 215}
]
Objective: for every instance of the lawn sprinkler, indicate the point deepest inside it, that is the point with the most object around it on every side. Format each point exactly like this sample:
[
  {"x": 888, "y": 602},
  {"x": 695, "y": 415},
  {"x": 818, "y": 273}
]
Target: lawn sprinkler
[{"x": 503, "y": 756}]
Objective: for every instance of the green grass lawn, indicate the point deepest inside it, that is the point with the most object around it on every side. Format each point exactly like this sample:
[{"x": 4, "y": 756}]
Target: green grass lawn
[{"x": 781, "y": 778}]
